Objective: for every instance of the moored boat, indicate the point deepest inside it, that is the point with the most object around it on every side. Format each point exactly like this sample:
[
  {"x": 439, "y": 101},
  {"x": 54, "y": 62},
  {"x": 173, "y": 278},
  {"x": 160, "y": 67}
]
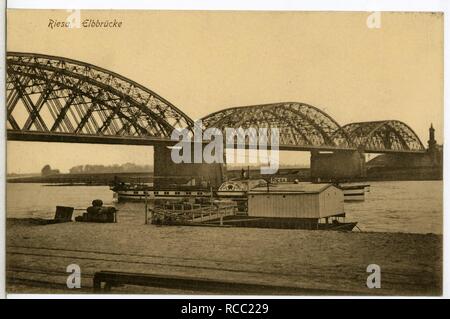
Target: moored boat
[
  {"x": 142, "y": 192},
  {"x": 283, "y": 206},
  {"x": 237, "y": 191}
]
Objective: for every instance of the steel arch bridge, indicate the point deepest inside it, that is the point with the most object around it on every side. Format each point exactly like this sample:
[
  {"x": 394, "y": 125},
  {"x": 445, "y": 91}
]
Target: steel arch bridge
[
  {"x": 383, "y": 136},
  {"x": 301, "y": 126},
  {"x": 56, "y": 99},
  {"x": 305, "y": 127}
]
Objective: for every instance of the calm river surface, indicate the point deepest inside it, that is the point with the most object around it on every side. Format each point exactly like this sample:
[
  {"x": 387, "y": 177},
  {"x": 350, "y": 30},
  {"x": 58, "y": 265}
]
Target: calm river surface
[{"x": 407, "y": 206}]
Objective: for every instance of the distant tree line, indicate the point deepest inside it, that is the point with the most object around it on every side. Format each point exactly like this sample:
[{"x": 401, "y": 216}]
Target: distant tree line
[
  {"x": 116, "y": 168},
  {"x": 47, "y": 170}
]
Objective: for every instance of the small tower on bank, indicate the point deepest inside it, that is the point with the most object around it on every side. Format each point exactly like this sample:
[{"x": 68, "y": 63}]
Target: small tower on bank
[
  {"x": 431, "y": 140},
  {"x": 434, "y": 151}
]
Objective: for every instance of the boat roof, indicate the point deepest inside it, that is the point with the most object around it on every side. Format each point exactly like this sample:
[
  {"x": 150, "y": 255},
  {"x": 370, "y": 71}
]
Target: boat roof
[{"x": 304, "y": 187}]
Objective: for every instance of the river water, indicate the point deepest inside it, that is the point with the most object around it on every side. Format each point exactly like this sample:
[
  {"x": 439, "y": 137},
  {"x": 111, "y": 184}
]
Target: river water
[{"x": 406, "y": 206}]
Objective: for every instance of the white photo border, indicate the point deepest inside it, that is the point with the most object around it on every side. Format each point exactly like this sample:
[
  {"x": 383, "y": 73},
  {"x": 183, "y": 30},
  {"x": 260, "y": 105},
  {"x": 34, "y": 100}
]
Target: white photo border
[{"x": 250, "y": 5}]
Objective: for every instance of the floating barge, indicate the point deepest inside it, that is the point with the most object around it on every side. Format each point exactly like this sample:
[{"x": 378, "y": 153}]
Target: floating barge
[
  {"x": 289, "y": 206},
  {"x": 299, "y": 205}
]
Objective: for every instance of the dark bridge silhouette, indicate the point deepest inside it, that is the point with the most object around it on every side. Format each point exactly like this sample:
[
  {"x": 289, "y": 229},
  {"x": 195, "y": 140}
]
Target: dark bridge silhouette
[
  {"x": 56, "y": 99},
  {"x": 305, "y": 127}
]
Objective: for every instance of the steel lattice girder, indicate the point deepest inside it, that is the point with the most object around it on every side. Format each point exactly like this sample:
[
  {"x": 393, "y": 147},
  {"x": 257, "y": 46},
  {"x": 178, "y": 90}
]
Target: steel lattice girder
[
  {"x": 299, "y": 124},
  {"x": 383, "y": 135},
  {"x": 59, "y": 95},
  {"x": 48, "y": 95}
]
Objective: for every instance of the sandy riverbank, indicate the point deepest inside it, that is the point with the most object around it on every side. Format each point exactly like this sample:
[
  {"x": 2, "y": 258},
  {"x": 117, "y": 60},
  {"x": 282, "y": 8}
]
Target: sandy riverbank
[{"x": 411, "y": 264}]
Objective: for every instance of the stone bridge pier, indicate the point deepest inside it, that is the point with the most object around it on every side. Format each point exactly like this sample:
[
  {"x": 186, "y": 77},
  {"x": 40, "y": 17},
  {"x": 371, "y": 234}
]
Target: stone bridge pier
[
  {"x": 167, "y": 172},
  {"x": 337, "y": 165}
]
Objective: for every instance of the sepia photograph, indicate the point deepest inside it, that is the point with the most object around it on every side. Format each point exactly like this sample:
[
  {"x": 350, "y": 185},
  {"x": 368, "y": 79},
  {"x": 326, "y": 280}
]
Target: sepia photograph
[{"x": 244, "y": 153}]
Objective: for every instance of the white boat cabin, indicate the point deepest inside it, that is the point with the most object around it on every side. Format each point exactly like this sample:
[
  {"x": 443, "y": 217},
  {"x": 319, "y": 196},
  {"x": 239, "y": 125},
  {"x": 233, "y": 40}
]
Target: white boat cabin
[{"x": 301, "y": 200}]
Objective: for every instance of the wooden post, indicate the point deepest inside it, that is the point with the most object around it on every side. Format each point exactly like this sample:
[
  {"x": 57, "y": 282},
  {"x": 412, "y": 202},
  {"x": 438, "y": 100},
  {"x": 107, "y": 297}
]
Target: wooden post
[
  {"x": 211, "y": 197},
  {"x": 146, "y": 208}
]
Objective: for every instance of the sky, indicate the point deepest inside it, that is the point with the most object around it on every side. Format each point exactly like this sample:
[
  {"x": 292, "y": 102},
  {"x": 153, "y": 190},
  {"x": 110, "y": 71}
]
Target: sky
[{"x": 206, "y": 61}]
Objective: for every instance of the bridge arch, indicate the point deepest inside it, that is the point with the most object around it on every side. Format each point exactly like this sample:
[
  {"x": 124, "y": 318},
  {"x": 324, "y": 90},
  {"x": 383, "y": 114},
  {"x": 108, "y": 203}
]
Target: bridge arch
[
  {"x": 55, "y": 95},
  {"x": 389, "y": 135},
  {"x": 300, "y": 125},
  {"x": 53, "y": 98}
]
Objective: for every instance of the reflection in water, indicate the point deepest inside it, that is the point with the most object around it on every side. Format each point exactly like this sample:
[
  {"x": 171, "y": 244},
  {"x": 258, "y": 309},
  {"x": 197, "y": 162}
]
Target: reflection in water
[{"x": 409, "y": 206}]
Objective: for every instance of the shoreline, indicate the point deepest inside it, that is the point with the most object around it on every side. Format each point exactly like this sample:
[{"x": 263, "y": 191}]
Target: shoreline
[{"x": 37, "y": 221}]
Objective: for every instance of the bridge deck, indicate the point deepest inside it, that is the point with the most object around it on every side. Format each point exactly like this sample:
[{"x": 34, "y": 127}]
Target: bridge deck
[{"x": 35, "y": 136}]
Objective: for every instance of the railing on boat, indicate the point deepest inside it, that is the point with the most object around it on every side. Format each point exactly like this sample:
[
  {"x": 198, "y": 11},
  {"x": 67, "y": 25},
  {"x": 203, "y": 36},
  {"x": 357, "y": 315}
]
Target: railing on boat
[{"x": 174, "y": 213}]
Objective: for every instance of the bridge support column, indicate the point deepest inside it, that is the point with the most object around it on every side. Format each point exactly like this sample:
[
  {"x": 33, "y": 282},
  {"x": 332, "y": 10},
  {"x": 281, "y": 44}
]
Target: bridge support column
[
  {"x": 167, "y": 172},
  {"x": 337, "y": 165}
]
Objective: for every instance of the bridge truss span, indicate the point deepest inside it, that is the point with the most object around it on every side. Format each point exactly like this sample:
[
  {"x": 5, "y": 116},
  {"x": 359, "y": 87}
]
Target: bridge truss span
[
  {"x": 300, "y": 126},
  {"x": 50, "y": 96},
  {"x": 56, "y": 99},
  {"x": 384, "y": 136}
]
